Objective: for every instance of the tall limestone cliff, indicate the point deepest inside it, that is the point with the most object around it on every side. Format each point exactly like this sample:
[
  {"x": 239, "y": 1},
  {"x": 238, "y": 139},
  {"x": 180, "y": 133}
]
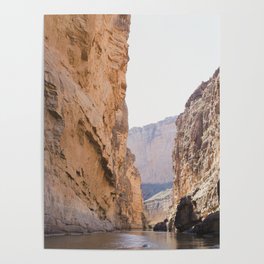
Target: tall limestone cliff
[
  {"x": 196, "y": 157},
  {"x": 153, "y": 145},
  {"x": 87, "y": 166}
]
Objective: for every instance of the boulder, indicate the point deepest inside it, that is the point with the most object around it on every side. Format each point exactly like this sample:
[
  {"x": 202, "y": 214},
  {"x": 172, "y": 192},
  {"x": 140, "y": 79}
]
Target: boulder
[
  {"x": 186, "y": 215},
  {"x": 161, "y": 226},
  {"x": 210, "y": 225}
]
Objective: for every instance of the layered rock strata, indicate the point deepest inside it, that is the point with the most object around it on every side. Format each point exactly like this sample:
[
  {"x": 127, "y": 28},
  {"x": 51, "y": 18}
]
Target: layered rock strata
[
  {"x": 87, "y": 166},
  {"x": 156, "y": 208},
  {"x": 153, "y": 145},
  {"x": 196, "y": 156},
  {"x": 130, "y": 197}
]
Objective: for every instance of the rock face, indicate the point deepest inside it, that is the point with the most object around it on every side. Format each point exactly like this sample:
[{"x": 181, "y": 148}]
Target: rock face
[
  {"x": 130, "y": 195},
  {"x": 153, "y": 145},
  {"x": 196, "y": 156},
  {"x": 91, "y": 183},
  {"x": 156, "y": 208},
  {"x": 210, "y": 225},
  {"x": 186, "y": 216},
  {"x": 161, "y": 226}
]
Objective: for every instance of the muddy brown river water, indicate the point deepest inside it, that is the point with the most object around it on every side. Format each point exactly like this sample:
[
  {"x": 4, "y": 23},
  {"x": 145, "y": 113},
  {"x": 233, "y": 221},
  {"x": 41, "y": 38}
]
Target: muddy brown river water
[{"x": 131, "y": 240}]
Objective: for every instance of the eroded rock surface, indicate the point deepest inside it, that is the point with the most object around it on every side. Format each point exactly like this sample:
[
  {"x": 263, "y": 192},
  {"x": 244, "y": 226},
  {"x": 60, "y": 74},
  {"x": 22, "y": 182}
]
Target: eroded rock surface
[
  {"x": 87, "y": 166},
  {"x": 210, "y": 225},
  {"x": 196, "y": 156},
  {"x": 153, "y": 145},
  {"x": 130, "y": 198},
  {"x": 156, "y": 208},
  {"x": 186, "y": 214}
]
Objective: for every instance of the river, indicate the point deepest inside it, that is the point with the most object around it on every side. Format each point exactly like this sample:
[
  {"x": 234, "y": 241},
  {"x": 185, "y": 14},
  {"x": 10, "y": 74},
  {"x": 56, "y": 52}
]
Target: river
[{"x": 131, "y": 240}]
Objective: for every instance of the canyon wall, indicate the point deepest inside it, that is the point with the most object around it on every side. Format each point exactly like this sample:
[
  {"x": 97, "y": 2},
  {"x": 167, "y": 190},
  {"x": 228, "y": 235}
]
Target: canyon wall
[
  {"x": 156, "y": 208},
  {"x": 90, "y": 181},
  {"x": 153, "y": 144},
  {"x": 196, "y": 157},
  {"x": 130, "y": 197}
]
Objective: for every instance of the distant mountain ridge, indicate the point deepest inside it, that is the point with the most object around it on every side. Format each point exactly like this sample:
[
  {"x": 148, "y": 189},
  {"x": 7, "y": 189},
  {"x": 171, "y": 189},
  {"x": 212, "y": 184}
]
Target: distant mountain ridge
[
  {"x": 153, "y": 145},
  {"x": 166, "y": 120},
  {"x": 151, "y": 189}
]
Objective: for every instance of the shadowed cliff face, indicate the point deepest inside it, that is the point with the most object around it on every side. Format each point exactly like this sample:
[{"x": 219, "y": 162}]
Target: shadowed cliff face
[
  {"x": 196, "y": 154},
  {"x": 86, "y": 158}
]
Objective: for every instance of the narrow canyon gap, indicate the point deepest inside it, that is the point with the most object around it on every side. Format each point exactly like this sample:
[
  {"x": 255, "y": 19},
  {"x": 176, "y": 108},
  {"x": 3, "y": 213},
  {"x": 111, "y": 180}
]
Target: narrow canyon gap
[
  {"x": 184, "y": 149},
  {"x": 92, "y": 179}
]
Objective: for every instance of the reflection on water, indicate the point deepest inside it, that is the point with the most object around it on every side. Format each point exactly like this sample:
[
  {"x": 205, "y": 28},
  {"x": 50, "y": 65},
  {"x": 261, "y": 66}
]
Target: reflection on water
[{"x": 131, "y": 240}]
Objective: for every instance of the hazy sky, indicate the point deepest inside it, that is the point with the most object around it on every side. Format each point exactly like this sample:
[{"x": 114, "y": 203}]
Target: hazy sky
[{"x": 169, "y": 57}]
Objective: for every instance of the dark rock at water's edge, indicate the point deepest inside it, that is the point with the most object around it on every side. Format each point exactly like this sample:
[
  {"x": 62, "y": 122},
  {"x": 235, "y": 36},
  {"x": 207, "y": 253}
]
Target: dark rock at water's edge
[
  {"x": 161, "y": 226},
  {"x": 189, "y": 220},
  {"x": 210, "y": 225},
  {"x": 144, "y": 222},
  {"x": 186, "y": 215}
]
